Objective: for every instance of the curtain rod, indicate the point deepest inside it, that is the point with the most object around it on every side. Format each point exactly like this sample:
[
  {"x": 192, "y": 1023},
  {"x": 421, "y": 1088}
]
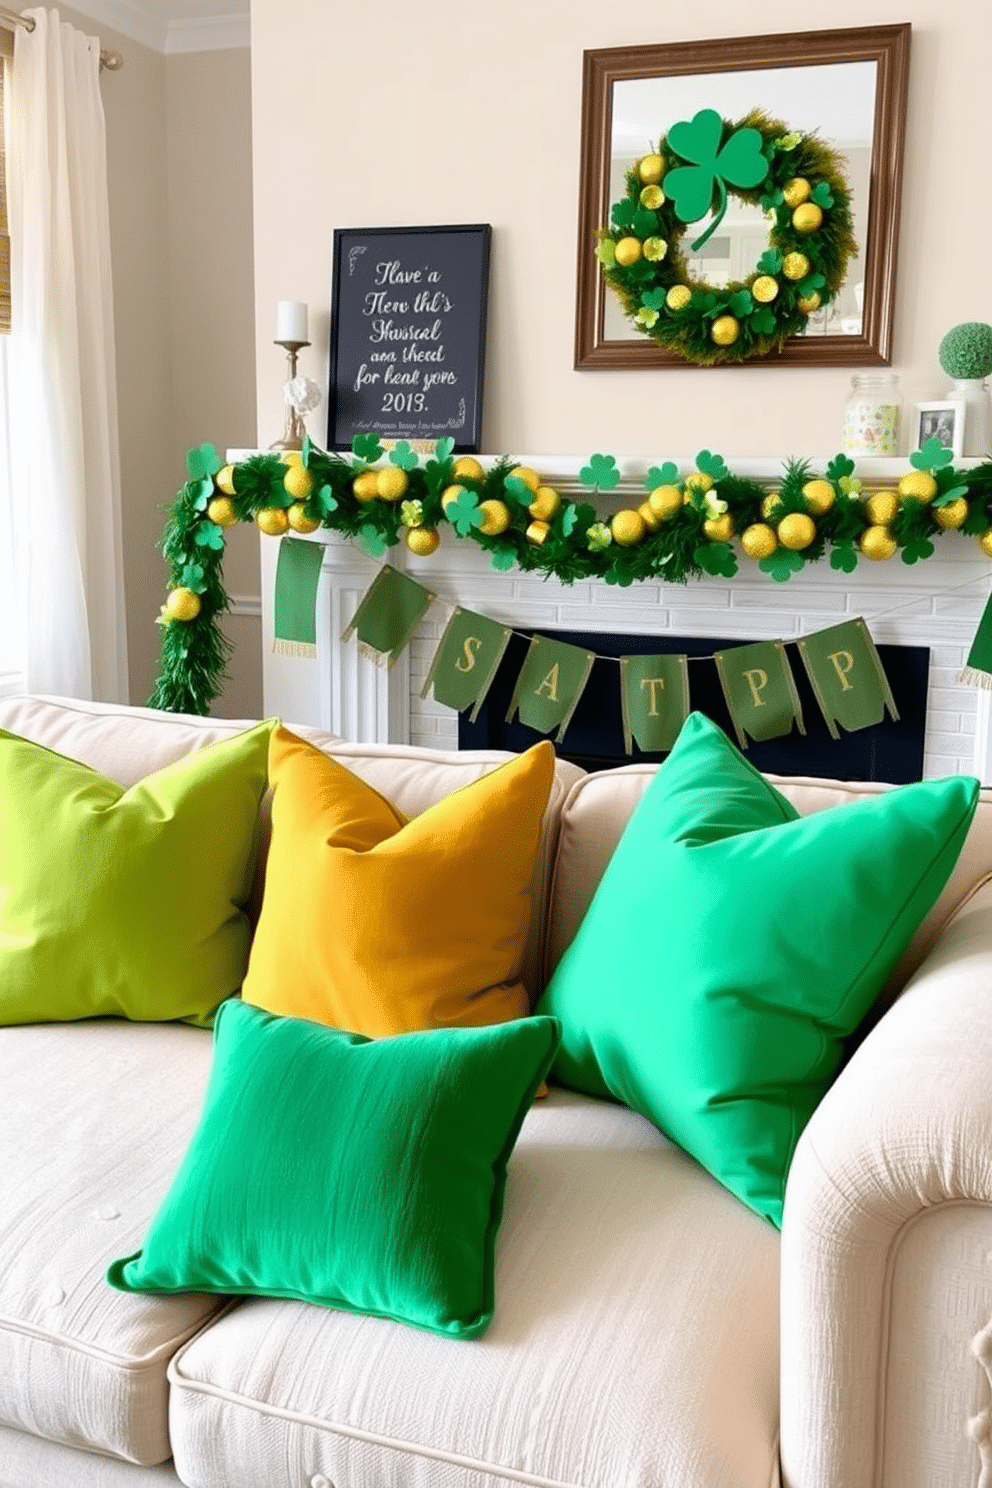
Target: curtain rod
[{"x": 112, "y": 61}]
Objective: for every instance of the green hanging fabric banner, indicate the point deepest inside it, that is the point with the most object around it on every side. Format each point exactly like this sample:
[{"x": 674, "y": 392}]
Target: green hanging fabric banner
[
  {"x": 297, "y": 577},
  {"x": 977, "y": 671},
  {"x": 846, "y": 674},
  {"x": 390, "y": 611},
  {"x": 466, "y": 661},
  {"x": 550, "y": 684},
  {"x": 760, "y": 691},
  {"x": 654, "y": 697}
]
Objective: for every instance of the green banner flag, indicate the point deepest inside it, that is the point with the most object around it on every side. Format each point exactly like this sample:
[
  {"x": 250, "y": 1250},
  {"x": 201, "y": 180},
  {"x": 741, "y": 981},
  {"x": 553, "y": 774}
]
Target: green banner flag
[
  {"x": 388, "y": 614},
  {"x": 654, "y": 697},
  {"x": 760, "y": 691},
  {"x": 846, "y": 675},
  {"x": 466, "y": 661},
  {"x": 297, "y": 577},
  {"x": 978, "y": 666},
  {"x": 550, "y": 684}
]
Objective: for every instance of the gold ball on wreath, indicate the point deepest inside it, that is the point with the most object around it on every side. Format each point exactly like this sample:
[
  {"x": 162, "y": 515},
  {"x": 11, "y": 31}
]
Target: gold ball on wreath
[
  {"x": 882, "y": 508},
  {"x": 808, "y": 303},
  {"x": 423, "y": 540},
  {"x": 224, "y": 480},
  {"x": 819, "y": 496},
  {"x": 182, "y": 604},
  {"x": 530, "y": 478},
  {"x": 292, "y": 457},
  {"x": 466, "y": 467},
  {"x": 725, "y": 330},
  {"x": 628, "y": 251},
  {"x": 952, "y": 515},
  {"x": 627, "y": 528},
  {"x": 392, "y": 483},
  {"x": 796, "y": 530},
  {"x": 648, "y": 516},
  {"x": 365, "y": 487},
  {"x": 450, "y": 494},
  {"x": 919, "y": 484},
  {"x": 696, "y": 480},
  {"x": 795, "y": 265},
  {"x": 771, "y": 505},
  {"x": 759, "y": 540},
  {"x": 298, "y": 482},
  {"x": 300, "y": 520},
  {"x": 807, "y": 217},
  {"x": 796, "y": 191},
  {"x": 651, "y": 168},
  {"x": 223, "y": 511},
  {"x": 665, "y": 501},
  {"x": 719, "y": 529},
  {"x": 764, "y": 289},
  {"x": 678, "y": 297},
  {"x": 985, "y": 542},
  {"x": 272, "y": 520},
  {"x": 652, "y": 197},
  {"x": 495, "y": 517},
  {"x": 546, "y": 502},
  {"x": 877, "y": 543}
]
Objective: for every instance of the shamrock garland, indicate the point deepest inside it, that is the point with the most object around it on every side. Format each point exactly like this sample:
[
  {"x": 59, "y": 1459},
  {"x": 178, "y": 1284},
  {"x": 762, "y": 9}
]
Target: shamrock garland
[
  {"x": 795, "y": 178},
  {"x": 685, "y": 526}
]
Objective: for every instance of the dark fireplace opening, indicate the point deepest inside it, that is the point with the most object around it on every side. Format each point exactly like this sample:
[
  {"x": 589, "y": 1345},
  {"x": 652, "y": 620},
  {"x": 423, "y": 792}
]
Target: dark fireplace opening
[{"x": 890, "y": 751}]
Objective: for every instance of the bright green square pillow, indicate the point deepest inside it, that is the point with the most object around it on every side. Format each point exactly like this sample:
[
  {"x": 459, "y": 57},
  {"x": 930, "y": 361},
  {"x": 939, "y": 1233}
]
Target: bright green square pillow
[
  {"x": 127, "y": 903},
  {"x": 733, "y": 945},
  {"x": 361, "y": 1174}
]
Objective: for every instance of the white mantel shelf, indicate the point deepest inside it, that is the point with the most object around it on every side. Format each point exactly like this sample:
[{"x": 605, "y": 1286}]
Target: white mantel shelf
[{"x": 937, "y": 603}]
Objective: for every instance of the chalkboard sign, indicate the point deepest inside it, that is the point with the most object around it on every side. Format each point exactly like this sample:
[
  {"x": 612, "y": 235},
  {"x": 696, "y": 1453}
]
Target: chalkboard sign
[{"x": 408, "y": 333}]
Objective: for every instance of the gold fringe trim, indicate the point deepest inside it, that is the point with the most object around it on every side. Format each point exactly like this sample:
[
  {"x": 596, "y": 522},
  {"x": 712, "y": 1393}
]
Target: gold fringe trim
[
  {"x": 294, "y": 648},
  {"x": 974, "y": 677}
]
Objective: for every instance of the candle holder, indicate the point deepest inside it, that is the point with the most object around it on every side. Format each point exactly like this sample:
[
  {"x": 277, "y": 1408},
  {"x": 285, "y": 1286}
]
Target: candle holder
[{"x": 295, "y": 429}]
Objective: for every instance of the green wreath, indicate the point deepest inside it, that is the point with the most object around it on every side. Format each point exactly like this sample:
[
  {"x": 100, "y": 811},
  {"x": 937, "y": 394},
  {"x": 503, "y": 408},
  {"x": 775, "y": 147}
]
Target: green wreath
[{"x": 799, "y": 183}]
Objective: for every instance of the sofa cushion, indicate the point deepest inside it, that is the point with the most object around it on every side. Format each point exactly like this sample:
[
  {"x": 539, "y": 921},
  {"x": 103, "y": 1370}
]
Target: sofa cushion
[
  {"x": 355, "y": 1173},
  {"x": 126, "y": 901},
  {"x": 733, "y": 945},
  {"x": 94, "y": 1119},
  {"x": 635, "y": 1343}
]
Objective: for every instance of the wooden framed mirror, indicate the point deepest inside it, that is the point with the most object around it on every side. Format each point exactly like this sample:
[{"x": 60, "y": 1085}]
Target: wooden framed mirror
[{"x": 847, "y": 86}]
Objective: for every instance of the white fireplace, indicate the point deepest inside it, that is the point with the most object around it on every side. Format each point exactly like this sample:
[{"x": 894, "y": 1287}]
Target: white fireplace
[{"x": 937, "y": 603}]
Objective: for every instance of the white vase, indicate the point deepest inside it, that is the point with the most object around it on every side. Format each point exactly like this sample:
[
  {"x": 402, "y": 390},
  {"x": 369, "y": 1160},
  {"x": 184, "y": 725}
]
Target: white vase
[{"x": 974, "y": 394}]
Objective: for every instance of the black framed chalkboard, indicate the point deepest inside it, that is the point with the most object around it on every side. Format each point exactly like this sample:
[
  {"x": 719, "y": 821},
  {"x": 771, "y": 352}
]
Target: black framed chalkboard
[{"x": 408, "y": 333}]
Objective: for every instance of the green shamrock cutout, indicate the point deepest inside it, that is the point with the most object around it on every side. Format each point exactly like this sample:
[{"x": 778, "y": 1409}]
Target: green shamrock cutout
[
  {"x": 305, "y": 449},
  {"x": 662, "y": 475},
  {"x": 740, "y": 303},
  {"x": 209, "y": 535},
  {"x": 781, "y": 564},
  {"x": 822, "y": 195},
  {"x": 646, "y": 316},
  {"x": 366, "y": 447},
  {"x": 738, "y": 162},
  {"x": 601, "y": 472},
  {"x": 192, "y": 577},
  {"x": 839, "y": 467},
  {"x": 372, "y": 540},
  {"x": 403, "y": 456},
  {"x": 917, "y": 548},
  {"x": 205, "y": 490},
  {"x": 716, "y": 558},
  {"x": 946, "y": 497},
  {"x": 622, "y": 214},
  {"x": 606, "y": 252},
  {"x": 770, "y": 261},
  {"x": 203, "y": 461},
  {"x": 763, "y": 321},
  {"x": 518, "y": 490},
  {"x": 325, "y": 502},
  {"x": 931, "y": 455},
  {"x": 645, "y": 223},
  {"x": 504, "y": 556},
  {"x": 714, "y": 465},
  {"x": 570, "y": 517},
  {"x": 653, "y": 298},
  {"x": 463, "y": 513},
  {"x": 811, "y": 283},
  {"x": 444, "y": 448},
  {"x": 599, "y": 537},
  {"x": 843, "y": 558}
]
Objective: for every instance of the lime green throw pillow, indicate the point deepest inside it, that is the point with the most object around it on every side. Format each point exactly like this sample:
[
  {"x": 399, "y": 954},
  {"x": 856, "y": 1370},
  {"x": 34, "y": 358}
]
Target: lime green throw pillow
[
  {"x": 732, "y": 946},
  {"x": 361, "y": 1174},
  {"x": 127, "y": 903}
]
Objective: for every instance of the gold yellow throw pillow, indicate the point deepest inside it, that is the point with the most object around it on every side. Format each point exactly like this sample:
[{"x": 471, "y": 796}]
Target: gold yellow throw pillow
[{"x": 381, "y": 925}]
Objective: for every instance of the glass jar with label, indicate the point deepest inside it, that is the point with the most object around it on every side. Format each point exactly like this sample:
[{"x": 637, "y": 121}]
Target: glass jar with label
[{"x": 871, "y": 415}]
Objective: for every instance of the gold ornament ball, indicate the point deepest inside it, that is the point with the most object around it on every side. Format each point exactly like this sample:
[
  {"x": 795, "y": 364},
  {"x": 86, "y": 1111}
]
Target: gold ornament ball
[
  {"x": 697, "y": 481},
  {"x": 819, "y": 496},
  {"x": 651, "y": 521},
  {"x": 882, "y": 508},
  {"x": 796, "y": 191},
  {"x": 651, "y": 168},
  {"x": 678, "y": 297},
  {"x": 665, "y": 501},
  {"x": 807, "y": 217},
  {"x": 450, "y": 494},
  {"x": 224, "y": 480},
  {"x": 985, "y": 542},
  {"x": 877, "y": 543},
  {"x": 365, "y": 486},
  {"x": 423, "y": 540},
  {"x": 719, "y": 529},
  {"x": 466, "y": 467},
  {"x": 771, "y": 505},
  {"x": 392, "y": 483},
  {"x": 530, "y": 478},
  {"x": 795, "y": 265},
  {"x": 628, "y": 251},
  {"x": 298, "y": 482},
  {"x": 652, "y": 197},
  {"x": 919, "y": 484},
  {"x": 182, "y": 604},
  {"x": 537, "y": 533},
  {"x": 495, "y": 517},
  {"x": 627, "y": 528},
  {"x": 223, "y": 511},
  {"x": 725, "y": 330},
  {"x": 546, "y": 502},
  {"x": 655, "y": 249},
  {"x": 292, "y": 457},
  {"x": 300, "y": 520},
  {"x": 796, "y": 530},
  {"x": 272, "y": 520},
  {"x": 952, "y": 515},
  {"x": 759, "y": 540},
  {"x": 764, "y": 289},
  {"x": 808, "y": 303}
]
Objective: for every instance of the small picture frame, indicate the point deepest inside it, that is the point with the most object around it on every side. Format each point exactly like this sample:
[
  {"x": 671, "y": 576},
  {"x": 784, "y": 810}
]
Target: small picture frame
[{"x": 943, "y": 420}]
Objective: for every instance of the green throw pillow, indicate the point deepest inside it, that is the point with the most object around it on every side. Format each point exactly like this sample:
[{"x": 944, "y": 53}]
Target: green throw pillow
[
  {"x": 126, "y": 903},
  {"x": 361, "y": 1174},
  {"x": 733, "y": 945}
]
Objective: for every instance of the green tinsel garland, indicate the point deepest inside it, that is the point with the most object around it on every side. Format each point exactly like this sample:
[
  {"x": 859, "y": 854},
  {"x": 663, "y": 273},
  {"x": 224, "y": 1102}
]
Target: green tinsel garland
[{"x": 575, "y": 542}]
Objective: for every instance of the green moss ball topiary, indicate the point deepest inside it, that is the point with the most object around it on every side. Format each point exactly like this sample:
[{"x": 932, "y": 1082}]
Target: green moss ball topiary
[{"x": 966, "y": 350}]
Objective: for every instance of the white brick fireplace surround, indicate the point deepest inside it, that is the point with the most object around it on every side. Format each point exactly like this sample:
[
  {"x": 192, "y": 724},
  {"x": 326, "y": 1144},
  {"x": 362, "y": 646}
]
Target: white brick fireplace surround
[{"x": 937, "y": 603}]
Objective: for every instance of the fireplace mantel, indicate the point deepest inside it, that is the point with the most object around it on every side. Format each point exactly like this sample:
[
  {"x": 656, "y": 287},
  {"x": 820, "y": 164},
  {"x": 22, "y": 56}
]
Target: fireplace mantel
[{"x": 937, "y": 603}]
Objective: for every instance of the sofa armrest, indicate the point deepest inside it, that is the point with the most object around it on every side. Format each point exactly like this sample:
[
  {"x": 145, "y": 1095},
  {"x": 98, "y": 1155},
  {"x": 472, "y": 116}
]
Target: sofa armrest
[{"x": 887, "y": 1242}]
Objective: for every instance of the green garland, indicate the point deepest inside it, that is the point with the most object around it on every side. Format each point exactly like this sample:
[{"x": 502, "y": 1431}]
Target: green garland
[
  {"x": 799, "y": 183},
  {"x": 683, "y": 528}
]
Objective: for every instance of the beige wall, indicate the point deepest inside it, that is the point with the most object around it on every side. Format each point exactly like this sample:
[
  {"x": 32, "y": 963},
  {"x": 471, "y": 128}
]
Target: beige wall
[{"x": 459, "y": 112}]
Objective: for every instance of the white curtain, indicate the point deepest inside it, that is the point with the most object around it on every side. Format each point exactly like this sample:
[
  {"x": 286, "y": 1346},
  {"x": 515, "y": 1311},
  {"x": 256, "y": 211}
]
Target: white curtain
[{"x": 63, "y": 458}]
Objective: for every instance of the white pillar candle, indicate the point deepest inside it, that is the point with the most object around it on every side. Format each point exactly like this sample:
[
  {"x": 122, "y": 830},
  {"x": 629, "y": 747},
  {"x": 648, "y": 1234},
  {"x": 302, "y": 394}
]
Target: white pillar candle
[{"x": 291, "y": 321}]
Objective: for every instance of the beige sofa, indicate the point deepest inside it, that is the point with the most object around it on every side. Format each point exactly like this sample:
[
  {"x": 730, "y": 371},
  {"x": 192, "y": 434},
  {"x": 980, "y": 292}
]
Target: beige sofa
[{"x": 650, "y": 1331}]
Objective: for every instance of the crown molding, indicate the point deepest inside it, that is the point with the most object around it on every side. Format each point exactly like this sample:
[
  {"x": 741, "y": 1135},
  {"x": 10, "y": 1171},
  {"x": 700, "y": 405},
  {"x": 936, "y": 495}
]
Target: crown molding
[
  {"x": 209, "y": 34},
  {"x": 198, "y": 34}
]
